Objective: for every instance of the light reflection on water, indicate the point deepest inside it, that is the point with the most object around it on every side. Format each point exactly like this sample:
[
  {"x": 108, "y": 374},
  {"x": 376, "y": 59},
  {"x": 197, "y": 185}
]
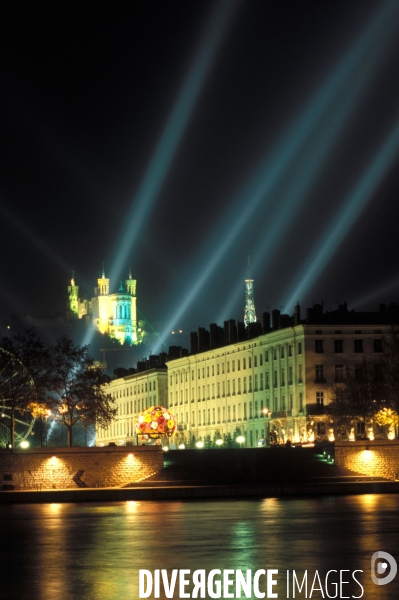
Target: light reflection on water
[{"x": 95, "y": 551}]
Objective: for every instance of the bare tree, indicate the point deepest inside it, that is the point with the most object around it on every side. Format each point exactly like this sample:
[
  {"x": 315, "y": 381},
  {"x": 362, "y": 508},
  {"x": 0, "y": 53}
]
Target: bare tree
[
  {"x": 359, "y": 396},
  {"x": 390, "y": 367},
  {"x": 78, "y": 387}
]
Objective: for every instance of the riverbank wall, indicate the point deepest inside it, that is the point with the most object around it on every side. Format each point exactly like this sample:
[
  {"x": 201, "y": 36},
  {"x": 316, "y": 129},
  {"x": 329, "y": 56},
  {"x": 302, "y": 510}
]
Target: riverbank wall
[
  {"x": 377, "y": 458},
  {"x": 74, "y": 468}
]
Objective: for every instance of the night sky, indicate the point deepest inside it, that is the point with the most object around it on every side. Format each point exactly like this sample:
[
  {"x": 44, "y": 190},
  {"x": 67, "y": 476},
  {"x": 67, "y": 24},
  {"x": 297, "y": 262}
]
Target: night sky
[{"x": 179, "y": 137}]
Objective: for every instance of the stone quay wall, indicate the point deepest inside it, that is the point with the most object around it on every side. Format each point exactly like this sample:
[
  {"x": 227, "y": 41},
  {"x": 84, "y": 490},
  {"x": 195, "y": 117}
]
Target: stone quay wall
[
  {"x": 72, "y": 468},
  {"x": 378, "y": 458}
]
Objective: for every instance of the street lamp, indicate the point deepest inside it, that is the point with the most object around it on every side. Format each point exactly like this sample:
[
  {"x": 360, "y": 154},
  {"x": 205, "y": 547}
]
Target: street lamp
[
  {"x": 240, "y": 440},
  {"x": 219, "y": 442},
  {"x": 267, "y": 413},
  {"x": 200, "y": 444}
]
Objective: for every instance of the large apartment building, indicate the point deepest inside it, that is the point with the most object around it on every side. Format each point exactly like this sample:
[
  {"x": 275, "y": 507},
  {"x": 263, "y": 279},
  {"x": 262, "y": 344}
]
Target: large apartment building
[
  {"x": 132, "y": 394},
  {"x": 274, "y": 386},
  {"x": 277, "y": 385}
]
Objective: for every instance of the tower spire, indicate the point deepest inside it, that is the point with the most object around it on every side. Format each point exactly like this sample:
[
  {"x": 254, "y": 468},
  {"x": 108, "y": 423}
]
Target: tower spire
[{"x": 249, "y": 311}]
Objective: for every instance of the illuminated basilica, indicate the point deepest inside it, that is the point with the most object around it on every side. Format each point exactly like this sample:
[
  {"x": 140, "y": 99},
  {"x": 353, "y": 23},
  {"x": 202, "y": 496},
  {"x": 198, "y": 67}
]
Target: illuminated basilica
[{"x": 113, "y": 314}]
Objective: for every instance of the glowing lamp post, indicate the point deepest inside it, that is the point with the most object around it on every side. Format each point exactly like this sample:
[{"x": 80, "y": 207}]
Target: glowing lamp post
[
  {"x": 219, "y": 443},
  {"x": 240, "y": 440},
  {"x": 267, "y": 413},
  {"x": 200, "y": 444}
]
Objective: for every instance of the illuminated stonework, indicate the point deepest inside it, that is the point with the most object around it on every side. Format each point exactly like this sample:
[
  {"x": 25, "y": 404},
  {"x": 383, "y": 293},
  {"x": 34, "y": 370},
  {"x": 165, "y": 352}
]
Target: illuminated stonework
[{"x": 113, "y": 314}]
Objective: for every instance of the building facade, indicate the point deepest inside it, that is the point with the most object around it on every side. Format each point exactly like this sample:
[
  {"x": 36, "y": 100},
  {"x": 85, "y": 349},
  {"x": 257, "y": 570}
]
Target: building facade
[
  {"x": 271, "y": 388},
  {"x": 131, "y": 395}
]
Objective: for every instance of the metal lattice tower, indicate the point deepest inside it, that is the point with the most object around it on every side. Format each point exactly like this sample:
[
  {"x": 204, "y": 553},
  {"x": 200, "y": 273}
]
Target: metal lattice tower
[{"x": 249, "y": 311}]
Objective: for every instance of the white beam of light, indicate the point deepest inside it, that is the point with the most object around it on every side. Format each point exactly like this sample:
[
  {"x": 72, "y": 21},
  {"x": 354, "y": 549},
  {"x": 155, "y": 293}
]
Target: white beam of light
[
  {"x": 172, "y": 135},
  {"x": 313, "y": 158},
  {"x": 377, "y": 293},
  {"x": 354, "y": 205},
  {"x": 274, "y": 167}
]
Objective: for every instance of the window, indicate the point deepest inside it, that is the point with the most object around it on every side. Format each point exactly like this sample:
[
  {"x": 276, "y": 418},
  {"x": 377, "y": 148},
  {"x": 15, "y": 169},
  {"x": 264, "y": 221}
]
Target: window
[
  {"x": 274, "y": 353},
  {"x": 290, "y": 350},
  {"x": 339, "y": 373},
  {"x": 249, "y": 363},
  {"x": 377, "y": 345},
  {"x": 266, "y": 355},
  {"x": 238, "y": 365},
  {"x": 228, "y": 367},
  {"x": 217, "y": 369},
  {"x": 223, "y": 388},
  {"x": 199, "y": 417},
  {"x": 320, "y": 400},
  {"x": 260, "y": 360},
  {"x": 301, "y": 401},
  {"x": 239, "y": 385},
  {"x": 338, "y": 346},
  {"x": 207, "y": 371},
  {"x": 222, "y": 368},
  {"x": 250, "y": 383},
  {"x": 228, "y": 414},
  {"x": 275, "y": 382},
  {"x": 245, "y": 385},
  {"x": 321, "y": 428},
  {"x": 199, "y": 374},
  {"x": 282, "y": 352},
  {"x": 256, "y": 409},
  {"x": 319, "y": 373},
  {"x": 261, "y": 382},
  {"x": 244, "y": 363},
  {"x": 319, "y": 346},
  {"x": 218, "y": 389},
  {"x": 256, "y": 383},
  {"x": 233, "y": 365},
  {"x": 282, "y": 376},
  {"x": 218, "y": 414},
  {"x": 290, "y": 374},
  {"x": 282, "y": 402},
  {"x": 267, "y": 382},
  {"x": 255, "y": 361},
  {"x": 245, "y": 411},
  {"x": 358, "y": 346},
  {"x": 299, "y": 347},
  {"x": 213, "y": 370}
]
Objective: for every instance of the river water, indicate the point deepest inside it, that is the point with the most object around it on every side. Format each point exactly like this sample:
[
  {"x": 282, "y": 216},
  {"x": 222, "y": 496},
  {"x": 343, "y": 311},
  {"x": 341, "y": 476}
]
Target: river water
[{"x": 95, "y": 551}]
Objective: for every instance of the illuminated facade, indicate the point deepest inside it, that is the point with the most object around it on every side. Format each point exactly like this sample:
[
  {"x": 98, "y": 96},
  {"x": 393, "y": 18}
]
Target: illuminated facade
[
  {"x": 275, "y": 386},
  {"x": 132, "y": 394},
  {"x": 113, "y": 314}
]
